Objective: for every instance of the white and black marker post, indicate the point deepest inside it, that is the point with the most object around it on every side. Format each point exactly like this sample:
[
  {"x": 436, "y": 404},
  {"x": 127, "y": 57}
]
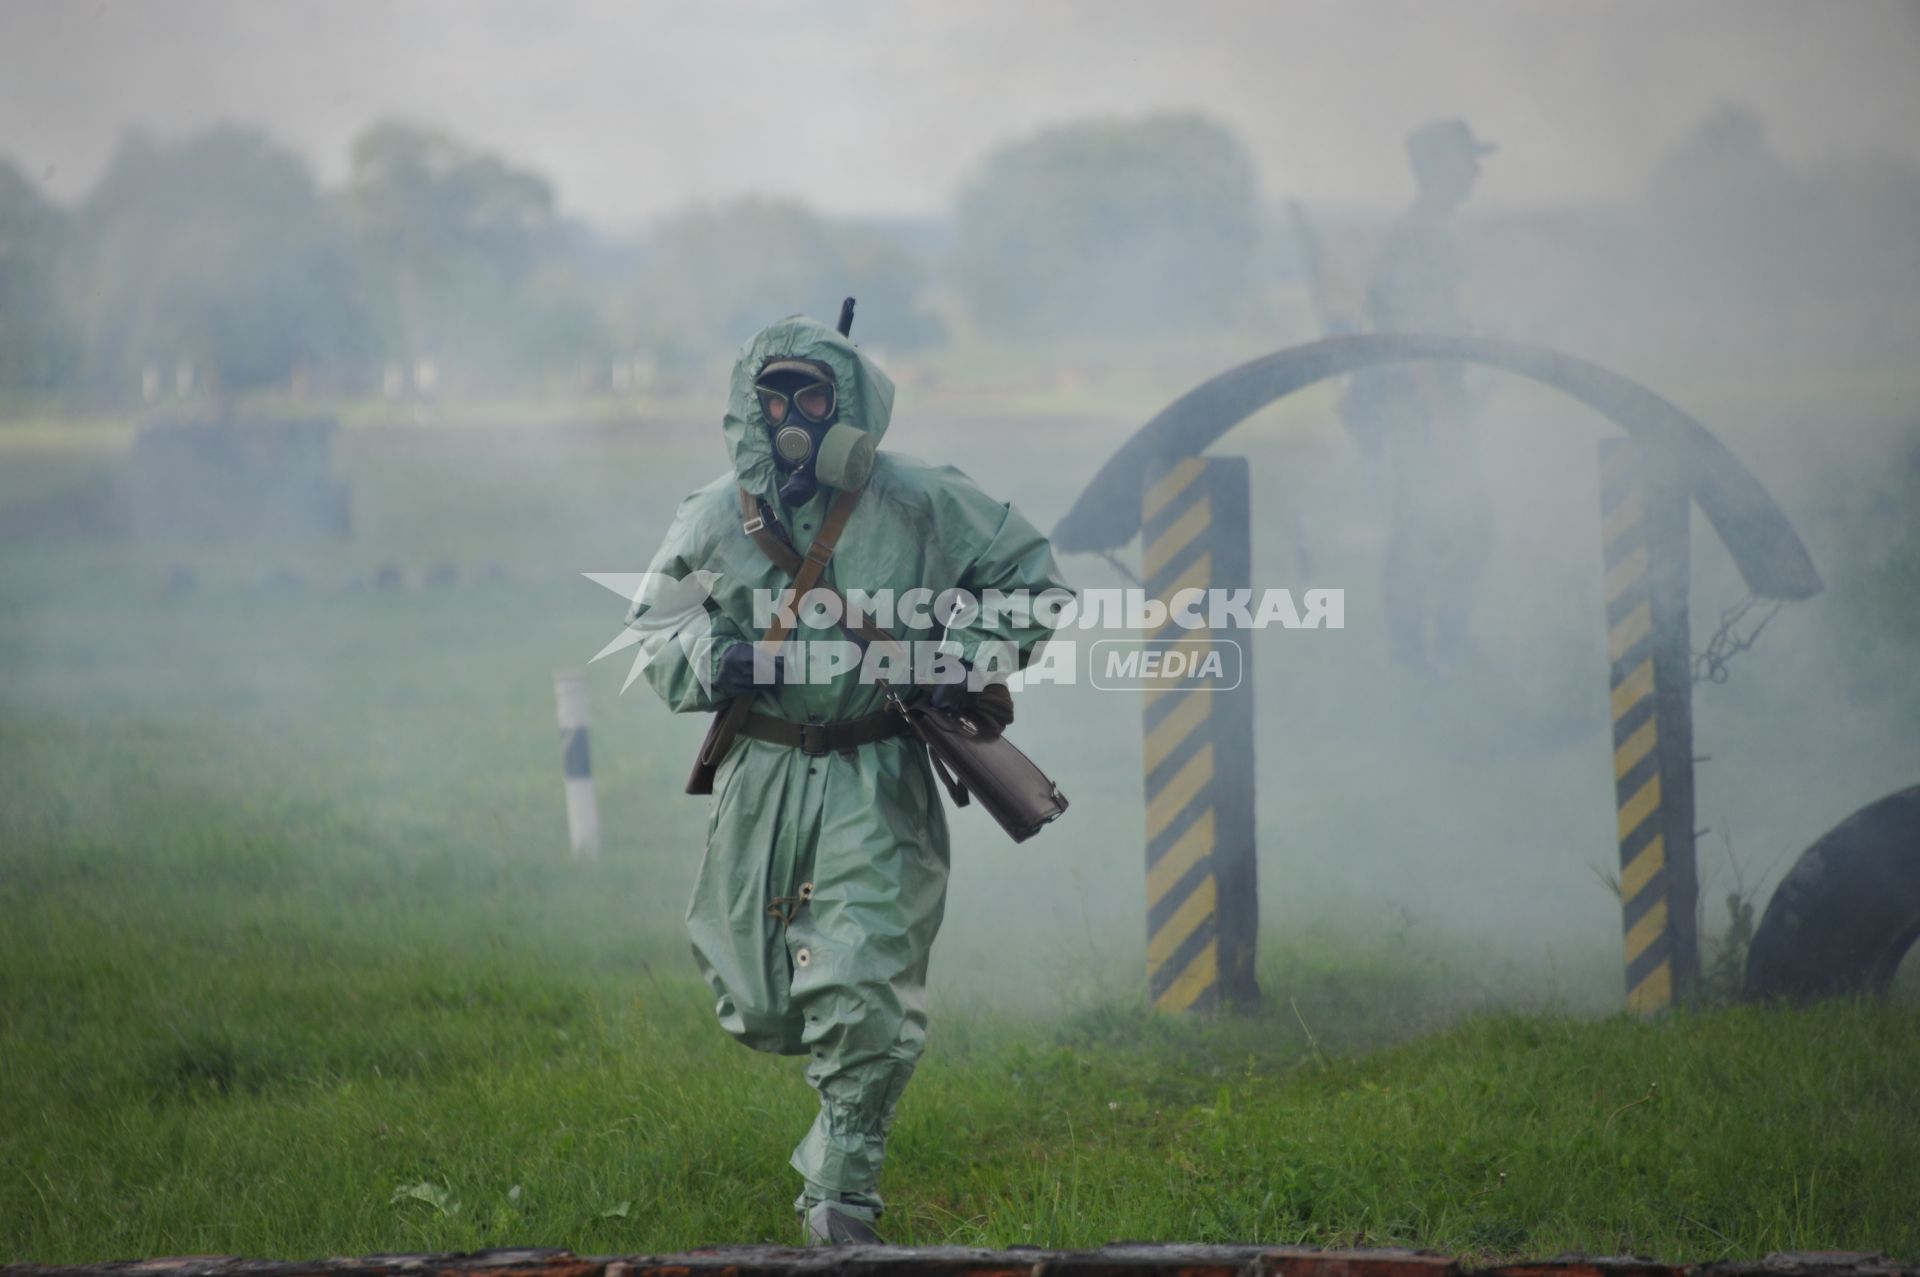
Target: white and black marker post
[{"x": 583, "y": 812}]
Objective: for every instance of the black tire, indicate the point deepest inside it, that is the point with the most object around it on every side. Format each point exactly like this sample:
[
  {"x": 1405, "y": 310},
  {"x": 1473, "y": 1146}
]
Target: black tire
[{"x": 1848, "y": 912}]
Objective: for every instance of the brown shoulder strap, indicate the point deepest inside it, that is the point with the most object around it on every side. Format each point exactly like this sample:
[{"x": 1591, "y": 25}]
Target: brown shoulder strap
[
  {"x": 807, "y": 575},
  {"x": 755, "y": 526},
  {"x": 804, "y": 569},
  {"x": 783, "y": 557}
]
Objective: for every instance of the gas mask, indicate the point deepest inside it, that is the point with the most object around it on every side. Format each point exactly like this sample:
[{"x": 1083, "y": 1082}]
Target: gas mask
[{"x": 811, "y": 445}]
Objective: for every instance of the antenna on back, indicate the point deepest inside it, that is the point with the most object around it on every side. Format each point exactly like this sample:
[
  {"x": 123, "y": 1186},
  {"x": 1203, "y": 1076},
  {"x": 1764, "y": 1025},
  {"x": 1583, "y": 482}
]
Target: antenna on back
[{"x": 846, "y": 317}]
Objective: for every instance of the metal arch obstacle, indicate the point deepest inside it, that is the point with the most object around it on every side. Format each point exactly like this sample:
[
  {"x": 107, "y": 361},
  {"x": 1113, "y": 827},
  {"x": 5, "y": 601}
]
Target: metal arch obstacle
[
  {"x": 1847, "y": 912},
  {"x": 1667, "y": 460},
  {"x": 1769, "y": 553}
]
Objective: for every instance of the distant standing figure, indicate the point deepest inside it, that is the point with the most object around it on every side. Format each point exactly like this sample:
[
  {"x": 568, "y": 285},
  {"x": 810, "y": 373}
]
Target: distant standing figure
[{"x": 1418, "y": 416}]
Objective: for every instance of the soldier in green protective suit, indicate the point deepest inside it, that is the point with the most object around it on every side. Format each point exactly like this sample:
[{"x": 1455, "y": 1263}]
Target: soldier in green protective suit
[
  {"x": 825, "y": 874},
  {"x": 1420, "y": 415}
]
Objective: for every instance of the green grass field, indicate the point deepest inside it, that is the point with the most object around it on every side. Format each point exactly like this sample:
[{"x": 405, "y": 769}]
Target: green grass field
[
  {"x": 293, "y": 961},
  {"x": 213, "y": 1045}
]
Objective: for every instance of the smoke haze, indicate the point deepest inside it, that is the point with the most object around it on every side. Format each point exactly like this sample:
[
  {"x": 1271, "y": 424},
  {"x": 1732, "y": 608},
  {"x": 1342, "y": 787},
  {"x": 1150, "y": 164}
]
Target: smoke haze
[
  {"x": 1719, "y": 200},
  {"x": 872, "y": 108}
]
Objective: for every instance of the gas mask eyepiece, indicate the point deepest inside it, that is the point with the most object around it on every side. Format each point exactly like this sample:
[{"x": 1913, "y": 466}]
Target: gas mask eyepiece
[{"x": 787, "y": 391}]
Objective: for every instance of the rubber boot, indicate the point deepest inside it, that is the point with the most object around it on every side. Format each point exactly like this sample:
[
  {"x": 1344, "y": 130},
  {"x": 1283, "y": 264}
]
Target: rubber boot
[{"x": 829, "y": 1225}]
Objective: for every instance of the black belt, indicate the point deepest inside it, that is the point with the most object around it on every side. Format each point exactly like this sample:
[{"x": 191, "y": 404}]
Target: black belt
[{"x": 824, "y": 738}]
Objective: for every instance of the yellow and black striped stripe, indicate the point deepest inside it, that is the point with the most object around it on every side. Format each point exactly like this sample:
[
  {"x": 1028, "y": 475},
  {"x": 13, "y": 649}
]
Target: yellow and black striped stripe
[
  {"x": 1650, "y": 734},
  {"x": 1197, "y": 770},
  {"x": 1183, "y": 942}
]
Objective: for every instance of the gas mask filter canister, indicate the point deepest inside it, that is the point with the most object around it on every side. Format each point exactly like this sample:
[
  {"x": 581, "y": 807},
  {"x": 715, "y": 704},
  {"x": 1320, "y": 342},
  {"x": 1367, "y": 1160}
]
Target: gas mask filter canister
[{"x": 844, "y": 458}]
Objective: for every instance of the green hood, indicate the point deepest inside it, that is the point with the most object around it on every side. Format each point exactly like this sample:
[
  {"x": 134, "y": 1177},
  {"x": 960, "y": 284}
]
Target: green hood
[{"x": 865, "y": 393}]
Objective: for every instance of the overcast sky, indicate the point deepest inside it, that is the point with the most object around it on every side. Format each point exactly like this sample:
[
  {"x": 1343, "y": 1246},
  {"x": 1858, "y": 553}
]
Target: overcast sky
[{"x": 883, "y": 106}]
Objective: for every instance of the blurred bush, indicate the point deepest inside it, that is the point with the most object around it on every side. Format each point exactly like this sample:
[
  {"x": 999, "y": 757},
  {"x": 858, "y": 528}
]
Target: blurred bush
[
  {"x": 465, "y": 261},
  {"x": 37, "y": 343},
  {"x": 713, "y": 276},
  {"x": 217, "y": 251},
  {"x": 1110, "y": 227}
]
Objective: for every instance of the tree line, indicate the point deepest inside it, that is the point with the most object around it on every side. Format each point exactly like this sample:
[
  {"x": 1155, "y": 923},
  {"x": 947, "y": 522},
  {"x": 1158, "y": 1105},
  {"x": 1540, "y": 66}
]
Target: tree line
[{"x": 219, "y": 260}]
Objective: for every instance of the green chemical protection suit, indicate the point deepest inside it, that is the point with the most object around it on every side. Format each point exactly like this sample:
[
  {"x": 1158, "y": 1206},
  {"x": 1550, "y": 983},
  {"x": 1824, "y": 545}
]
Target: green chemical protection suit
[{"x": 825, "y": 876}]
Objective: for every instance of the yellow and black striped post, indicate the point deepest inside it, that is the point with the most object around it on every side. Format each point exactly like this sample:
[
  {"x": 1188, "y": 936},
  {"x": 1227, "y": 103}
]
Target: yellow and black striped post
[
  {"x": 1202, "y": 890},
  {"x": 1645, "y": 509}
]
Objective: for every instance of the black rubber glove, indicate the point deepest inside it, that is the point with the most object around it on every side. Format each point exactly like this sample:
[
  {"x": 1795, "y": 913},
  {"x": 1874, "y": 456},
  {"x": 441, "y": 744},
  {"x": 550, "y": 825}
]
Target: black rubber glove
[
  {"x": 990, "y": 707},
  {"x": 957, "y": 696},
  {"x": 994, "y": 708},
  {"x": 735, "y": 675}
]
